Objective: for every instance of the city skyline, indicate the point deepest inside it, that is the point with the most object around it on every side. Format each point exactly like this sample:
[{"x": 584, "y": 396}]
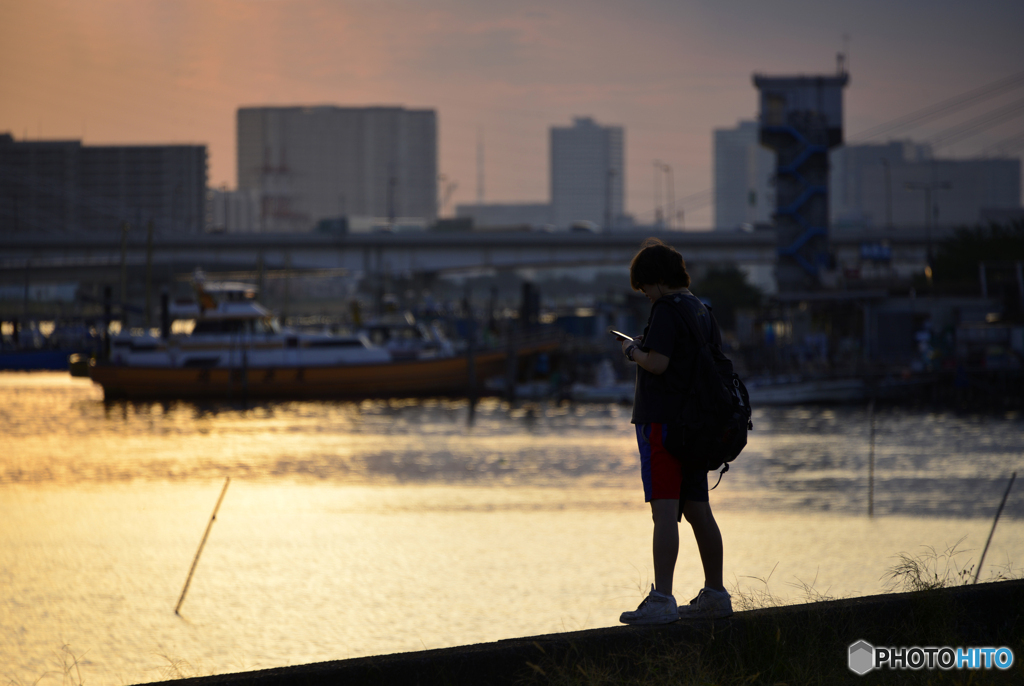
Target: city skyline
[{"x": 159, "y": 72}]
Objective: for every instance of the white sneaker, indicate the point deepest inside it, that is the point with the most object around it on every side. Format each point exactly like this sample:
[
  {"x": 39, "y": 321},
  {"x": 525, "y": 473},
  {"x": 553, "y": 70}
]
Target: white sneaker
[
  {"x": 709, "y": 604},
  {"x": 656, "y": 608}
]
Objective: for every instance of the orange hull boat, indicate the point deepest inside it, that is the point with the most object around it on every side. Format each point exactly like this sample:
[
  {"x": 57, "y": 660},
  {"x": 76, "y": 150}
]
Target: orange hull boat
[{"x": 438, "y": 376}]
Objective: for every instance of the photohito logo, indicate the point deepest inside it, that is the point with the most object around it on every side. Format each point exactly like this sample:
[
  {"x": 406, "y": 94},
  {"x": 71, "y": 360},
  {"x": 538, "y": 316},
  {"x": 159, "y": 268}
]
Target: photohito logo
[{"x": 863, "y": 657}]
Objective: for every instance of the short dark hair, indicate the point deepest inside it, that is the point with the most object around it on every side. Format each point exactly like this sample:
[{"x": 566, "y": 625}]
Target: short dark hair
[{"x": 658, "y": 263}]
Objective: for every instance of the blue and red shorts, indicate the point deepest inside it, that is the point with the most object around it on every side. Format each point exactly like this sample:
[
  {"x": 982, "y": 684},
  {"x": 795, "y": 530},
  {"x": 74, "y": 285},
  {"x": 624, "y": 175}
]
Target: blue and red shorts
[{"x": 663, "y": 475}]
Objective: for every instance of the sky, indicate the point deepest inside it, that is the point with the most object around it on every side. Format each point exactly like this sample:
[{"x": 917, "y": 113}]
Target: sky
[{"x": 668, "y": 71}]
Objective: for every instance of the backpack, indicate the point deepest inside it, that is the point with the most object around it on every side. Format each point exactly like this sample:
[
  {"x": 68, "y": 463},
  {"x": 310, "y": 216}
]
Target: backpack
[{"x": 712, "y": 427}]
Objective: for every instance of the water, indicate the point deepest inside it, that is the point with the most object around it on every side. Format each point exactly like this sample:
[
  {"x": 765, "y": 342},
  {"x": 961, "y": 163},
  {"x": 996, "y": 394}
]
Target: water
[{"x": 366, "y": 528}]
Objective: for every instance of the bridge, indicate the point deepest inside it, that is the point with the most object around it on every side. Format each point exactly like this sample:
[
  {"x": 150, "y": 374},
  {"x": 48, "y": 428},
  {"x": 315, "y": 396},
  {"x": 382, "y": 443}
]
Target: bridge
[
  {"x": 100, "y": 258},
  {"x": 89, "y": 258}
]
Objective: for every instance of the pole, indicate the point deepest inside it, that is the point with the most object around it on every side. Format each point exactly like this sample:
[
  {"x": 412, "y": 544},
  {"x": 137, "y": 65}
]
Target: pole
[
  {"x": 928, "y": 211},
  {"x": 994, "y": 522},
  {"x": 199, "y": 552},
  {"x": 657, "y": 193},
  {"x": 609, "y": 177},
  {"x": 871, "y": 459},
  {"x": 670, "y": 192},
  {"x": 149, "y": 273},
  {"x": 1020, "y": 282},
  {"x": 928, "y": 227},
  {"x": 24, "y": 304},
  {"x": 470, "y": 354},
  {"x": 888, "y": 195},
  {"x": 124, "y": 275},
  {"x": 259, "y": 274},
  {"x": 287, "y": 286}
]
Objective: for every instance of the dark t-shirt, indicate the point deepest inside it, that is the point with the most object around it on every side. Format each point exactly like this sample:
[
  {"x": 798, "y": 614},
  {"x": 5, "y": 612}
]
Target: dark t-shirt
[{"x": 660, "y": 397}]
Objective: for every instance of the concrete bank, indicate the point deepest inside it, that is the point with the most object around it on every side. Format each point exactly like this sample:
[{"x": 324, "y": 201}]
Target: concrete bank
[{"x": 807, "y": 643}]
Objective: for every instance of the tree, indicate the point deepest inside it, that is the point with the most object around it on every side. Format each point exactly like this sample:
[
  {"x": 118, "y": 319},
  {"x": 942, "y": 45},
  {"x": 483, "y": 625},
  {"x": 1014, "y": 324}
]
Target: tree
[
  {"x": 957, "y": 258},
  {"x": 727, "y": 290}
]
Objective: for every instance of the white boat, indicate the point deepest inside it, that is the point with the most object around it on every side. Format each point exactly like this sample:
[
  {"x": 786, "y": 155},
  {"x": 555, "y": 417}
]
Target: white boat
[
  {"x": 237, "y": 349},
  {"x": 795, "y": 391},
  {"x": 405, "y": 338},
  {"x": 232, "y": 330},
  {"x": 605, "y": 389}
]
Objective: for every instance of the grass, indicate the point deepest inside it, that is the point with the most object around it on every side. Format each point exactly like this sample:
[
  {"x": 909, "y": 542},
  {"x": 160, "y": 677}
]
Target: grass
[
  {"x": 69, "y": 667},
  {"x": 931, "y": 569},
  {"x": 804, "y": 647}
]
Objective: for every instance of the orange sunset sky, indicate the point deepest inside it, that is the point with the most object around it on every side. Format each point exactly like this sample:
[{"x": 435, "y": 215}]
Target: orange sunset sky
[{"x": 174, "y": 71}]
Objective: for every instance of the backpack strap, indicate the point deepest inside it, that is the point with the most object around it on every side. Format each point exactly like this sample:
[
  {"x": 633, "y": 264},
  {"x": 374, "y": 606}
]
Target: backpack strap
[
  {"x": 691, "y": 320},
  {"x": 694, "y": 326}
]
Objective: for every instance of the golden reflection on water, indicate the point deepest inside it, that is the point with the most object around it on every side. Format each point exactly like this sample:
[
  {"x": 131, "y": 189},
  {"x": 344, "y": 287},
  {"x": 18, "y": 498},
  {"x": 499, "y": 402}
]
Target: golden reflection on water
[
  {"x": 354, "y": 529},
  {"x": 298, "y": 573}
]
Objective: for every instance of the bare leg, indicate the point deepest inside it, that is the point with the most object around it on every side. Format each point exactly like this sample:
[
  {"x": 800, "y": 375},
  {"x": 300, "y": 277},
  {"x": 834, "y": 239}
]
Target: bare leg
[
  {"x": 709, "y": 542},
  {"x": 666, "y": 542}
]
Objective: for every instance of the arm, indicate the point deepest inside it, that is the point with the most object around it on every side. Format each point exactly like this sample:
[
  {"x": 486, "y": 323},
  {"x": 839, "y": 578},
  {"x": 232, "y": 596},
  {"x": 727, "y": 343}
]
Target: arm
[{"x": 652, "y": 361}]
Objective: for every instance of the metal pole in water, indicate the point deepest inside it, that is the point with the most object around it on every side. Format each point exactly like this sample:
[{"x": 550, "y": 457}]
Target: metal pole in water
[
  {"x": 470, "y": 354},
  {"x": 871, "y": 459},
  {"x": 199, "y": 552},
  {"x": 994, "y": 522}
]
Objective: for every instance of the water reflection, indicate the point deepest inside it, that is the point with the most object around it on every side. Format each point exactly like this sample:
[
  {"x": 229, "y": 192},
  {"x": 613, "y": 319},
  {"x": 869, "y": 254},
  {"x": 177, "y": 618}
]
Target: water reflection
[
  {"x": 59, "y": 430},
  {"x": 103, "y": 505}
]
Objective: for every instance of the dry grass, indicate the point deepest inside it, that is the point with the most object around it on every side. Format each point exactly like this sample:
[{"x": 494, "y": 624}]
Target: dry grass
[
  {"x": 765, "y": 650},
  {"x": 931, "y": 569}
]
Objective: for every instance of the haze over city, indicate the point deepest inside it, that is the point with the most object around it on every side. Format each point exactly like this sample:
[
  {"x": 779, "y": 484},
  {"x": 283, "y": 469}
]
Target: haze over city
[{"x": 119, "y": 71}]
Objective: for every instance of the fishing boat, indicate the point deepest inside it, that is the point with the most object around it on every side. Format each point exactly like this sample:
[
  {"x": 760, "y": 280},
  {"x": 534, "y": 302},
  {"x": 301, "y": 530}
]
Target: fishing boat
[
  {"x": 798, "y": 390},
  {"x": 237, "y": 349},
  {"x": 405, "y": 338},
  {"x": 34, "y": 351}
]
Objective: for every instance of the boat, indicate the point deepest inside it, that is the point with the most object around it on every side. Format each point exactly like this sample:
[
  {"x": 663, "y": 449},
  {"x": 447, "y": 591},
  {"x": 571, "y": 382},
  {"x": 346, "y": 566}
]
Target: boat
[
  {"x": 797, "y": 391},
  {"x": 605, "y": 389},
  {"x": 38, "y": 352},
  {"x": 405, "y": 338},
  {"x": 233, "y": 331},
  {"x": 238, "y": 350}
]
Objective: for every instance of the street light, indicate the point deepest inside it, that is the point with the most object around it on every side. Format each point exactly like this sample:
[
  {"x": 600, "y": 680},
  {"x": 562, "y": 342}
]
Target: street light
[
  {"x": 888, "y": 194},
  {"x": 670, "y": 193},
  {"x": 928, "y": 188}
]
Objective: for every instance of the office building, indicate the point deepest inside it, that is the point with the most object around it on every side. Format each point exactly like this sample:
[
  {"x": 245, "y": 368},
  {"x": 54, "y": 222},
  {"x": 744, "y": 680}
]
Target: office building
[
  {"x": 587, "y": 174},
  {"x": 232, "y": 211},
  {"x": 307, "y": 164},
  {"x": 890, "y": 185},
  {"x": 67, "y": 187},
  {"x": 743, "y": 173}
]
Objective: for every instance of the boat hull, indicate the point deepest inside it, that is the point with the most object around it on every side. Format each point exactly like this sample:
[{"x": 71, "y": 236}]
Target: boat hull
[
  {"x": 32, "y": 360},
  {"x": 439, "y": 376}
]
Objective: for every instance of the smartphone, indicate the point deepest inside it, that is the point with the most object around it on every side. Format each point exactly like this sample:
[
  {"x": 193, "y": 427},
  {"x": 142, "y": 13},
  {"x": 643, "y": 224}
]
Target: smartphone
[{"x": 619, "y": 334}]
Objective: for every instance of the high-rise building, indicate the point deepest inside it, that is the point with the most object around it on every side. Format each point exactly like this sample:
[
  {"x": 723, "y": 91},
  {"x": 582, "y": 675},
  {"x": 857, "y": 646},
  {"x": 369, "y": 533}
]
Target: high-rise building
[
  {"x": 900, "y": 184},
  {"x": 64, "y": 186},
  {"x": 313, "y": 163},
  {"x": 232, "y": 211},
  {"x": 743, "y": 174},
  {"x": 587, "y": 174}
]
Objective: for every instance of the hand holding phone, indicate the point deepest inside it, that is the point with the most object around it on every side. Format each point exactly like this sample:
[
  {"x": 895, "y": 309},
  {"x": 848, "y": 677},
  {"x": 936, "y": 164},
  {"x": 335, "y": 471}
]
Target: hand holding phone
[{"x": 620, "y": 335}]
